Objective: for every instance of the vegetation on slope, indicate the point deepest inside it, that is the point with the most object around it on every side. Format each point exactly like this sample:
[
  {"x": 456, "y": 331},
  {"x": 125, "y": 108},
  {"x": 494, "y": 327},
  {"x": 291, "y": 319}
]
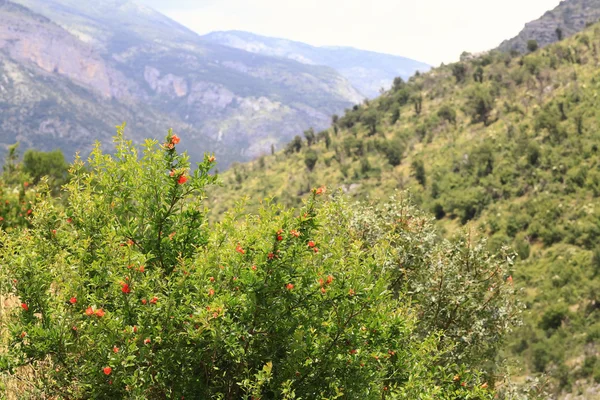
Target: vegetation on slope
[
  {"x": 505, "y": 144},
  {"x": 125, "y": 291}
]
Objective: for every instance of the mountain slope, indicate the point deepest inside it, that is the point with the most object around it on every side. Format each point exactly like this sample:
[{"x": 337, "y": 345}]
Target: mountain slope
[
  {"x": 367, "y": 71},
  {"x": 58, "y": 91},
  {"x": 506, "y": 146},
  {"x": 569, "y": 17},
  {"x": 222, "y": 99}
]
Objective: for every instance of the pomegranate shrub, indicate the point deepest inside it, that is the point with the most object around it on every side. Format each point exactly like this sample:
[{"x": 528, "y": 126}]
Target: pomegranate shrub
[{"x": 127, "y": 291}]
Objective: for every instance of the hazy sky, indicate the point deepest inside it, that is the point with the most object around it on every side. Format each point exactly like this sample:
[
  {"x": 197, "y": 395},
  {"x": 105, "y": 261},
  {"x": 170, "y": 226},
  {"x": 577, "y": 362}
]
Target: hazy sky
[{"x": 432, "y": 31}]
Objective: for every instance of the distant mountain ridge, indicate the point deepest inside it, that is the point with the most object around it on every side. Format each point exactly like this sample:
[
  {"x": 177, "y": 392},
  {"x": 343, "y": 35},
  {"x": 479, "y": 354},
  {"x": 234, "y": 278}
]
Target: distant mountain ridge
[
  {"x": 71, "y": 70},
  {"x": 367, "y": 71},
  {"x": 570, "y": 16}
]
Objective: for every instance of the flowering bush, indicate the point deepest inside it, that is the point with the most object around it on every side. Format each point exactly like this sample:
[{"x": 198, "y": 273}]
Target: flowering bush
[{"x": 128, "y": 292}]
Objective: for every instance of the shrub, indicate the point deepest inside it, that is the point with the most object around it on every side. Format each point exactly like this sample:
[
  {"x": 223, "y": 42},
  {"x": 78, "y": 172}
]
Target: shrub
[
  {"x": 532, "y": 45},
  {"x": 393, "y": 150},
  {"x": 128, "y": 292},
  {"x": 447, "y": 112},
  {"x": 459, "y": 70},
  {"x": 480, "y": 103},
  {"x": 310, "y": 159},
  {"x": 418, "y": 170},
  {"x": 294, "y": 146}
]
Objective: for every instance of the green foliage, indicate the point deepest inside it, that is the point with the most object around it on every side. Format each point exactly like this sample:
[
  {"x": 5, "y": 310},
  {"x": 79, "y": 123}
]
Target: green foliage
[
  {"x": 52, "y": 164},
  {"x": 478, "y": 74},
  {"x": 310, "y": 159},
  {"x": 530, "y": 179},
  {"x": 393, "y": 150},
  {"x": 310, "y": 137},
  {"x": 459, "y": 70},
  {"x": 418, "y": 170},
  {"x": 128, "y": 292},
  {"x": 294, "y": 146},
  {"x": 447, "y": 113},
  {"x": 532, "y": 45},
  {"x": 480, "y": 103}
]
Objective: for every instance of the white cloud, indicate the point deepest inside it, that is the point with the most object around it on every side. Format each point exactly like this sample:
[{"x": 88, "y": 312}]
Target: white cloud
[{"x": 428, "y": 30}]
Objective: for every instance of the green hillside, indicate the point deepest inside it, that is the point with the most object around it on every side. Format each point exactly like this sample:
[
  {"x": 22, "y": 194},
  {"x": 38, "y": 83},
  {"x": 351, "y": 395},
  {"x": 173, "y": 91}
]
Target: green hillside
[{"x": 507, "y": 146}]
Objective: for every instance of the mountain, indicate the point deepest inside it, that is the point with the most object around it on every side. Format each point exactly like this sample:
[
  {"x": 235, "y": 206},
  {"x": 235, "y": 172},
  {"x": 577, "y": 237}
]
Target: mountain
[
  {"x": 506, "y": 146},
  {"x": 71, "y": 70},
  {"x": 569, "y": 17},
  {"x": 367, "y": 71}
]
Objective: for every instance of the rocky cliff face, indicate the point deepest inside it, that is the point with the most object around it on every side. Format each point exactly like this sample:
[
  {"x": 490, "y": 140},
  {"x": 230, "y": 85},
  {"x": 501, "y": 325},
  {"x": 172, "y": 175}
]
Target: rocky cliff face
[
  {"x": 570, "y": 16},
  {"x": 70, "y": 71}
]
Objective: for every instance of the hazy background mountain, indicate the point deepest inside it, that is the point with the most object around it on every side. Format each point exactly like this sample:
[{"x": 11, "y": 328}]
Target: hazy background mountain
[
  {"x": 68, "y": 65},
  {"x": 570, "y": 16},
  {"x": 367, "y": 71}
]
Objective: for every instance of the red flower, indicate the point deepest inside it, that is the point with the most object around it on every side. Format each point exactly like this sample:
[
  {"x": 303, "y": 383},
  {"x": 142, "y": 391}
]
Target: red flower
[
  {"x": 107, "y": 370},
  {"x": 279, "y": 237},
  {"x": 24, "y": 306},
  {"x": 295, "y": 233},
  {"x": 125, "y": 288},
  {"x": 73, "y": 300},
  {"x": 212, "y": 279},
  {"x": 144, "y": 301},
  {"x": 316, "y": 249},
  {"x": 509, "y": 280},
  {"x": 175, "y": 139},
  {"x": 289, "y": 286},
  {"x": 129, "y": 242},
  {"x": 115, "y": 349},
  {"x": 320, "y": 190},
  {"x": 323, "y": 290},
  {"x": 154, "y": 300},
  {"x": 53, "y": 230},
  {"x": 141, "y": 269},
  {"x": 134, "y": 329},
  {"x": 25, "y": 184},
  {"x": 253, "y": 268},
  {"x": 29, "y": 211},
  {"x": 311, "y": 244},
  {"x": 172, "y": 173},
  {"x": 171, "y": 235},
  {"x": 211, "y": 159},
  {"x": 351, "y": 292},
  {"x": 99, "y": 313},
  {"x": 89, "y": 311},
  {"x": 211, "y": 292},
  {"x": 239, "y": 249},
  {"x": 23, "y": 334},
  {"x": 146, "y": 341},
  {"x": 271, "y": 256},
  {"x": 353, "y": 351},
  {"x": 69, "y": 220},
  {"x": 329, "y": 279},
  {"x": 182, "y": 179}
]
